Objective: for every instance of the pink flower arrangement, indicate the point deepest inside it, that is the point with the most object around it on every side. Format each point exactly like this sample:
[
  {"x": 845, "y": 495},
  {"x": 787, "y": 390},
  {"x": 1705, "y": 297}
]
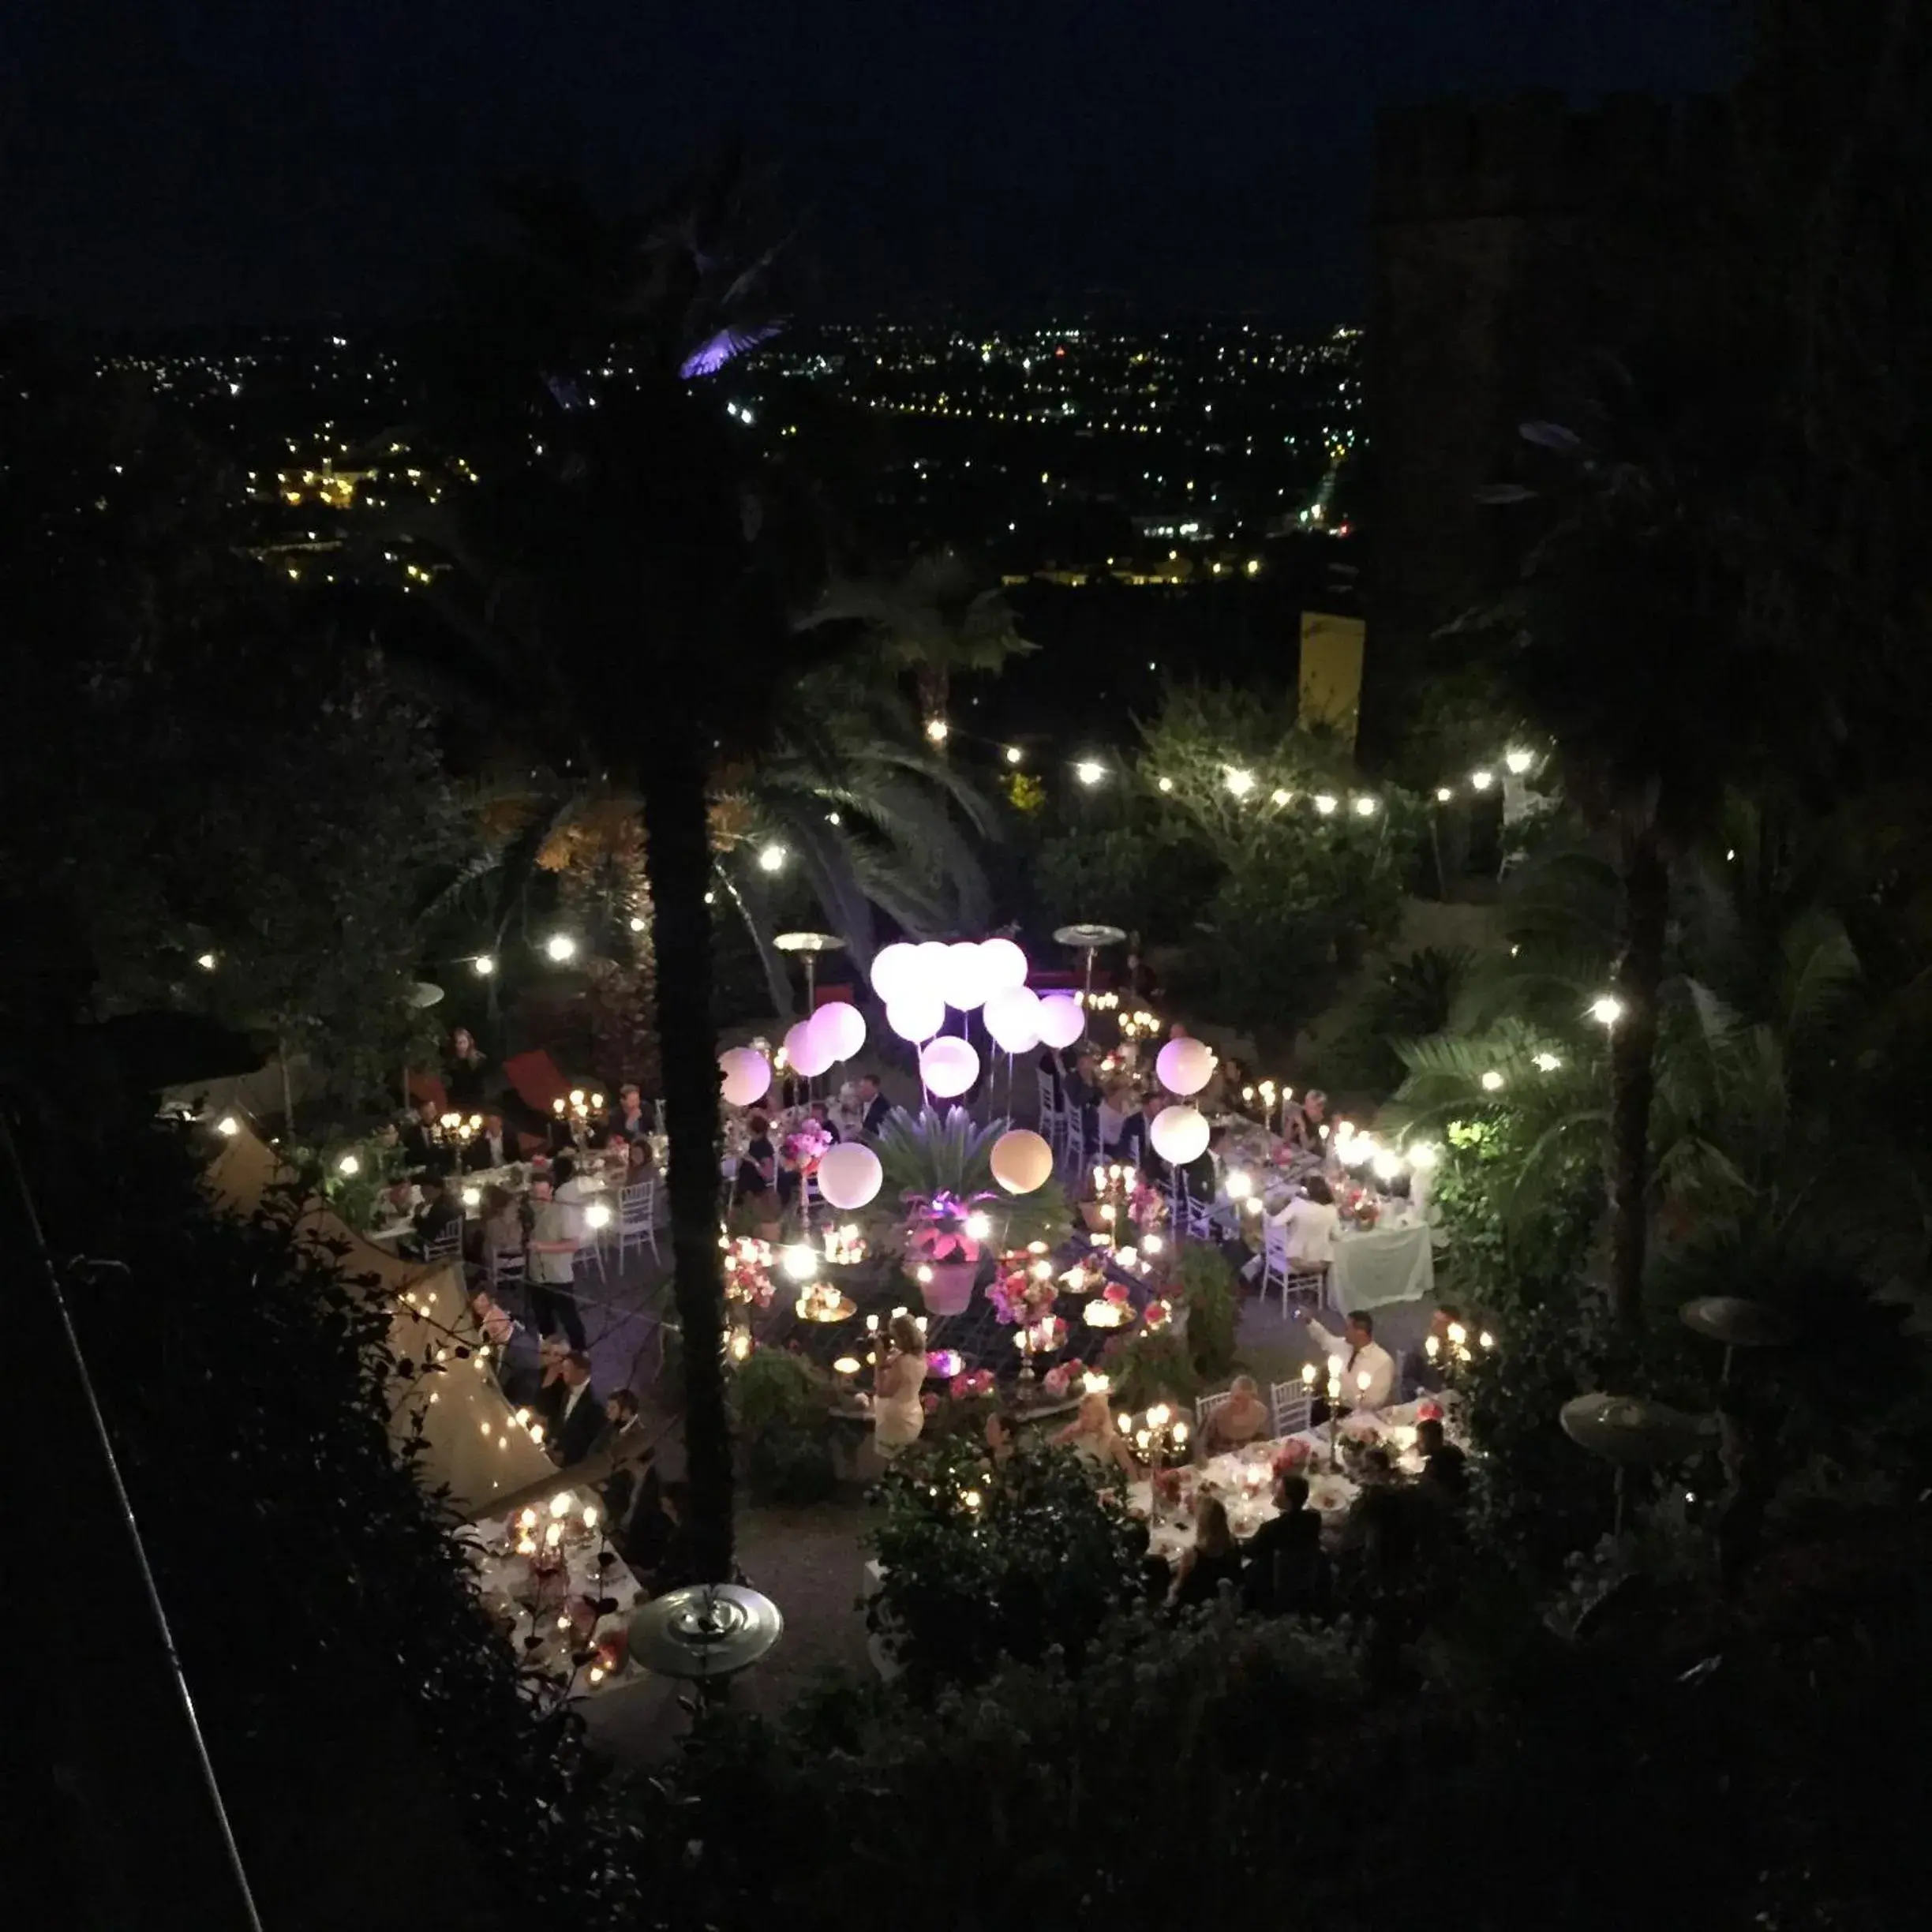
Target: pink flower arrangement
[
  {"x": 1058, "y": 1379},
  {"x": 1157, "y": 1315},
  {"x": 747, "y": 1271},
  {"x": 936, "y": 1228},
  {"x": 1148, "y": 1208},
  {"x": 1292, "y": 1455},
  {"x": 1118, "y": 1293},
  {"x": 805, "y": 1146},
  {"x": 973, "y": 1382},
  {"x": 1018, "y": 1296},
  {"x": 1428, "y": 1412}
]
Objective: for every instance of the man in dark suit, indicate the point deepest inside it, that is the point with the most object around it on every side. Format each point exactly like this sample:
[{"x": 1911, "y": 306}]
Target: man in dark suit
[
  {"x": 440, "y": 1214},
  {"x": 580, "y": 1417},
  {"x": 494, "y": 1145},
  {"x": 630, "y": 1119},
  {"x": 424, "y": 1151},
  {"x": 1137, "y": 1143},
  {"x": 878, "y": 1108}
]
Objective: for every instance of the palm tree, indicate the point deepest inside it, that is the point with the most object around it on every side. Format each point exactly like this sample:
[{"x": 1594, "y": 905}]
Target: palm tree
[
  {"x": 931, "y": 619},
  {"x": 1628, "y": 644},
  {"x": 622, "y": 591}
]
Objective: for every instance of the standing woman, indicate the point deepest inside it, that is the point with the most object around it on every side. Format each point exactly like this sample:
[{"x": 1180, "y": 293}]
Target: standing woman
[
  {"x": 463, "y": 1077},
  {"x": 898, "y": 1415}
]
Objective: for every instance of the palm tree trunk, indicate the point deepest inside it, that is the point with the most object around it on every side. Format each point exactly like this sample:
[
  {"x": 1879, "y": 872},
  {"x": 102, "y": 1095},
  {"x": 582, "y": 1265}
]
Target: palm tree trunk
[
  {"x": 1633, "y": 1045},
  {"x": 680, "y": 864}
]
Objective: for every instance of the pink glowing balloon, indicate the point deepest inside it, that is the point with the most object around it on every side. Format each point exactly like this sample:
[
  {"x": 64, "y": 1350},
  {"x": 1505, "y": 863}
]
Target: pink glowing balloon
[
  {"x": 1185, "y": 1065},
  {"x": 1001, "y": 964},
  {"x": 1062, "y": 1021},
  {"x": 808, "y": 1050},
  {"x": 948, "y": 1066},
  {"x": 849, "y": 1174},
  {"x": 841, "y": 1026},
  {"x": 746, "y": 1075},
  {"x": 963, "y": 984},
  {"x": 916, "y": 1015},
  {"x": 1012, "y": 1018},
  {"x": 896, "y": 971}
]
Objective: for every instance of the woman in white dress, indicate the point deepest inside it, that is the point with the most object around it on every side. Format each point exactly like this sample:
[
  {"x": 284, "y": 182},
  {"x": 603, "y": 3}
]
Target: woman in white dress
[{"x": 898, "y": 1415}]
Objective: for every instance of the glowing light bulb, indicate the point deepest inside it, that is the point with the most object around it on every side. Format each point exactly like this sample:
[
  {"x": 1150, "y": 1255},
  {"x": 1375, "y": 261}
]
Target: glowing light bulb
[
  {"x": 1014, "y": 755},
  {"x": 978, "y": 1225},
  {"x": 560, "y": 946},
  {"x": 1365, "y": 807},
  {"x": 1482, "y": 780},
  {"x": 472, "y": 1197},
  {"x": 483, "y": 965},
  {"x": 1280, "y": 795},
  {"x": 1545, "y": 1062},
  {"x": 1606, "y": 1009},
  {"x": 1239, "y": 782},
  {"x": 772, "y": 859},
  {"x": 1164, "y": 785},
  {"x": 205, "y": 962},
  {"x": 1325, "y": 803},
  {"x": 1090, "y": 771},
  {"x": 800, "y": 1262},
  {"x": 1443, "y": 795},
  {"x": 348, "y": 1165},
  {"x": 1517, "y": 760},
  {"x": 638, "y": 922},
  {"x": 1493, "y": 1081},
  {"x": 597, "y": 1215},
  {"x": 938, "y": 730},
  {"x": 228, "y": 1125}
]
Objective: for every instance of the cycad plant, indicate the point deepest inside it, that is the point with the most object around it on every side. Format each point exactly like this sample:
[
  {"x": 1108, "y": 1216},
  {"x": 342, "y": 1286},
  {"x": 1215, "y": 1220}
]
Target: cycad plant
[{"x": 931, "y": 1157}]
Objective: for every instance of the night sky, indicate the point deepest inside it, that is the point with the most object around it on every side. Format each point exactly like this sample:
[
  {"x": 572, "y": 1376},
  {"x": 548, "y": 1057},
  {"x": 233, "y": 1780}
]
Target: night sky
[{"x": 214, "y": 160}]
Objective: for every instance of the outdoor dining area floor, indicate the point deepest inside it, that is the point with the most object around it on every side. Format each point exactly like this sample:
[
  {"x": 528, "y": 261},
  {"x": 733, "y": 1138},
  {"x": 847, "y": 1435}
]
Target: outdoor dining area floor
[{"x": 810, "y": 1561}]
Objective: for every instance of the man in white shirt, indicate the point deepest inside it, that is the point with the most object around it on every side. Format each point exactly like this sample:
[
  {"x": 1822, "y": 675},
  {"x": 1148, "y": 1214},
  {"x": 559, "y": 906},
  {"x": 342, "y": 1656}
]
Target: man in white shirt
[
  {"x": 1360, "y": 1356},
  {"x": 1309, "y": 1220},
  {"x": 555, "y": 1229}
]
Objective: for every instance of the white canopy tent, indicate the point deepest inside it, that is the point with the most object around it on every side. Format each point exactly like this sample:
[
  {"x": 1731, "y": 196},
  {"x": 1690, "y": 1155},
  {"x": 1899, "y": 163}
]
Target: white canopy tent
[{"x": 472, "y": 1441}]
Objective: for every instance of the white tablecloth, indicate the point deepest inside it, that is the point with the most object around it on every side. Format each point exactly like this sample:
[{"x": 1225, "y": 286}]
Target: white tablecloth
[
  {"x": 1379, "y": 1264},
  {"x": 528, "y": 1604},
  {"x": 1243, "y": 1480}
]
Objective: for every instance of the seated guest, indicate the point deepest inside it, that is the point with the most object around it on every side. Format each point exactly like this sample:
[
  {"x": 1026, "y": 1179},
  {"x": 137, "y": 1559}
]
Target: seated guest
[
  {"x": 465, "y": 1072},
  {"x": 822, "y": 1117},
  {"x": 500, "y": 1224},
  {"x": 1082, "y": 1093},
  {"x": 1309, "y": 1219},
  {"x": 627, "y": 1445},
  {"x": 1287, "y": 1574},
  {"x": 757, "y": 1167},
  {"x": 547, "y": 1401},
  {"x": 1445, "y": 1468},
  {"x": 1213, "y": 1560},
  {"x": 440, "y": 1215},
  {"x": 1360, "y": 1355},
  {"x": 1136, "y": 1138},
  {"x": 640, "y": 1162},
  {"x": 1092, "y": 1436},
  {"x": 494, "y": 1145},
  {"x": 1302, "y": 1122},
  {"x": 1201, "y": 1176},
  {"x": 1111, "y": 1117},
  {"x": 875, "y": 1110},
  {"x": 580, "y": 1418},
  {"x": 424, "y": 1151},
  {"x": 628, "y": 1120},
  {"x": 493, "y": 1321},
  {"x": 663, "y": 1561},
  {"x": 1242, "y": 1418}
]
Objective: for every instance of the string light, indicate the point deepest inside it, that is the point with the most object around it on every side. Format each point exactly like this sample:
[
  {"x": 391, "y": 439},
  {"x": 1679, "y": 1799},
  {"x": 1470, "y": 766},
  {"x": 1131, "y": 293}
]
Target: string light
[
  {"x": 1325, "y": 803},
  {"x": 205, "y": 962},
  {"x": 1090, "y": 771},
  {"x": 772, "y": 859},
  {"x": 1606, "y": 1009},
  {"x": 1014, "y": 754},
  {"x": 1546, "y": 1063},
  {"x": 1482, "y": 780},
  {"x": 1364, "y": 807},
  {"x": 483, "y": 965},
  {"x": 560, "y": 946},
  {"x": 938, "y": 730},
  {"x": 1518, "y": 761},
  {"x": 1238, "y": 782},
  {"x": 1493, "y": 1081}
]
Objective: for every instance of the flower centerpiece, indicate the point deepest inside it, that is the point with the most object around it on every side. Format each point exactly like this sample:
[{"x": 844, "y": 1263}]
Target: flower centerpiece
[
  {"x": 806, "y": 1145},
  {"x": 747, "y": 1271},
  {"x": 1023, "y": 1289},
  {"x": 941, "y": 1209},
  {"x": 1112, "y": 1308},
  {"x": 1157, "y": 1314}
]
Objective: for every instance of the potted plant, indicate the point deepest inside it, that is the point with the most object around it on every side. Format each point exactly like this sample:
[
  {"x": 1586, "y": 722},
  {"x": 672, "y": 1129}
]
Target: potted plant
[{"x": 940, "y": 1209}]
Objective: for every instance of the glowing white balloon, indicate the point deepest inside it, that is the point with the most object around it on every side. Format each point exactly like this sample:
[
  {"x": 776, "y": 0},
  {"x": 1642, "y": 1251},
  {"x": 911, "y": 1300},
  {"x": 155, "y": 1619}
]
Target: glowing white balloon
[
  {"x": 746, "y": 1074},
  {"x": 917, "y": 1015},
  {"x": 849, "y": 1174},
  {"x": 1012, "y": 1018},
  {"x": 1061, "y": 1021},
  {"x": 948, "y": 1066},
  {"x": 841, "y": 1027},
  {"x": 1179, "y": 1134},
  {"x": 896, "y": 971},
  {"x": 1022, "y": 1160},
  {"x": 1001, "y": 964},
  {"x": 808, "y": 1050},
  {"x": 1185, "y": 1065},
  {"x": 962, "y": 983}
]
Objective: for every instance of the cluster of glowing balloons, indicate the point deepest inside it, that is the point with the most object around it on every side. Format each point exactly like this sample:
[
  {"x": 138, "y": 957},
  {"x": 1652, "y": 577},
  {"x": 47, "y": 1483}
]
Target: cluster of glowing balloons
[
  {"x": 919, "y": 982},
  {"x": 835, "y": 1032}
]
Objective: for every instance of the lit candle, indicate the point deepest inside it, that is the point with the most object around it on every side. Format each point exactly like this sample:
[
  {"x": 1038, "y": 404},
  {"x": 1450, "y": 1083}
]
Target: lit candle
[{"x": 1308, "y": 1373}]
